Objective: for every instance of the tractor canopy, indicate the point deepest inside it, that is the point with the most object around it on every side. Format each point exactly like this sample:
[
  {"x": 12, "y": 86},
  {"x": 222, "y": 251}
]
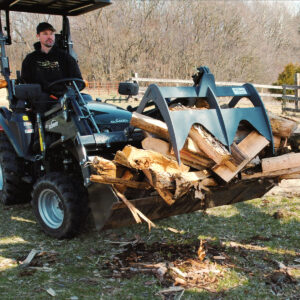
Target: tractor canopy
[{"x": 53, "y": 7}]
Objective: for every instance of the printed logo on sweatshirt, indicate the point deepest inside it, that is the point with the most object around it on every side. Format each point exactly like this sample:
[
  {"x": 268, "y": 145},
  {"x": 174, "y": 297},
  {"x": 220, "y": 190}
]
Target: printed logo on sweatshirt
[{"x": 46, "y": 64}]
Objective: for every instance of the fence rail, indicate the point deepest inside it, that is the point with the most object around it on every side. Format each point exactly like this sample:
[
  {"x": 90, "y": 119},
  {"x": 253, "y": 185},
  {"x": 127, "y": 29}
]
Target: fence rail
[
  {"x": 286, "y": 99},
  {"x": 261, "y": 87},
  {"x": 265, "y": 90},
  {"x": 288, "y": 93}
]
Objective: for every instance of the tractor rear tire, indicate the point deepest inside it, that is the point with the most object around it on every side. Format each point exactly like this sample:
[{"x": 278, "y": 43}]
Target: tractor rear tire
[
  {"x": 60, "y": 205},
  {"x": 12, "y": 189}
]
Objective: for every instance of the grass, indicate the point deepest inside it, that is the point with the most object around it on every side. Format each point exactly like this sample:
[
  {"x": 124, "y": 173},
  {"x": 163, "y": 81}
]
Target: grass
[{"x": 247, "y": 233}]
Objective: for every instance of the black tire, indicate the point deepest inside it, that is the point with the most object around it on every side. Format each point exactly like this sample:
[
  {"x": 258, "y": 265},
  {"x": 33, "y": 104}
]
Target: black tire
[
  {"x": 12, "y": 189},
  {"x": 60, "y": 205}
]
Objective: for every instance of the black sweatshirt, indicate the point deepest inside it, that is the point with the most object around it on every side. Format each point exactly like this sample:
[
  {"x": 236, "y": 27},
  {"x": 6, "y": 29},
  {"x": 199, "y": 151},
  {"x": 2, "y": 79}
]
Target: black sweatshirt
[{"x": 44, "y": 68}]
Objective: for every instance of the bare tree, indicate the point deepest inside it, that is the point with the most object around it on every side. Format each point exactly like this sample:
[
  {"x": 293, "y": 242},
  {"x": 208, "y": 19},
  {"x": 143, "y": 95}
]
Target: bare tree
[{"x": 238, "y": 40}]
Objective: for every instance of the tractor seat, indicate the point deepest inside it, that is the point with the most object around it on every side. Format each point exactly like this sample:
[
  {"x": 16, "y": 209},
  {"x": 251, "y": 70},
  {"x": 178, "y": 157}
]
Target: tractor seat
[{"x": 29, "y": 93}]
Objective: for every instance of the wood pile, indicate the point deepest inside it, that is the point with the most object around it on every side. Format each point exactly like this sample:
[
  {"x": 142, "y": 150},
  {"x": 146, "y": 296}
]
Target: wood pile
[{"x": 206, "y": 163}]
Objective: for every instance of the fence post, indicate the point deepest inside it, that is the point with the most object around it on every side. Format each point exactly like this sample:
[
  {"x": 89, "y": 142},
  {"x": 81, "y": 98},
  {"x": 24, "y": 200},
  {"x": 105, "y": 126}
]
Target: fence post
[{"x": 297, "y": 92}]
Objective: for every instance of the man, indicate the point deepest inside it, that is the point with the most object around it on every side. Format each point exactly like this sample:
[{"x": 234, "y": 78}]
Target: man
[{"x": 47, "y": 64}]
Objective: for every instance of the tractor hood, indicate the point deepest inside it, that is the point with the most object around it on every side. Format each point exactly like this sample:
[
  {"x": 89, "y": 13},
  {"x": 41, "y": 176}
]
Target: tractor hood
[{"x": 108, "y": 116}]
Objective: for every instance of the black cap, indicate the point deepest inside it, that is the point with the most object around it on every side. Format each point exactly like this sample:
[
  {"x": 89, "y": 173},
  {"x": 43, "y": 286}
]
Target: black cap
[{"x": 44, "y": 26}]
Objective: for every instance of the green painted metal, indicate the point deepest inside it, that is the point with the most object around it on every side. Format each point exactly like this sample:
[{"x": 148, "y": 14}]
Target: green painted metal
[{"x": 220, "y": 122}]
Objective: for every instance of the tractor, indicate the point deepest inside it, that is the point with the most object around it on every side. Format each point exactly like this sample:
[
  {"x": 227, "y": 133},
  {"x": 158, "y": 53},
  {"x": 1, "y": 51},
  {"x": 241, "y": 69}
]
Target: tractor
[{"x": 56, "y": 176}]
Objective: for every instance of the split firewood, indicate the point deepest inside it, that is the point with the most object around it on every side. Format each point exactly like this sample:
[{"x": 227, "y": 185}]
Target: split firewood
[
  {"x": 290, "y": 176},
  {"x": 161, "y": 181},
  {"x": 181, "y": 182},
  {"x": 202, "y": 138},
  {"x": 192, "y": 159},
  {"x": 277, "y": 173},
  {"x": 281, "y": 126},
  {"x": 128, "y": 175},
  {"x": 166, "y": 195},
  {"x": 140, "y": 159},
  {"x": 160, "y": 178},
  {"x": 286, "y": 161},
  {"x": 276, "y": 141},
  {"x": 150, "y": 125},
  {"x": 184, "y": 181},
  {"x": 128, "y": 183},
  {"x": 104, "y": 167},
  {"x": 208, "y": 144},
  {"x": 208, "y": 182},
  {"x": 192, "y": 147},
  {"x": 253, "y": 144}
]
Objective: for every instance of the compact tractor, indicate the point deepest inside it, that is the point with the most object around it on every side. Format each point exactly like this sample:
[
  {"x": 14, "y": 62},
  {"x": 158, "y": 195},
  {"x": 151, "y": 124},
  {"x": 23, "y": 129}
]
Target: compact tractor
[{"x": 56, "y": 178}]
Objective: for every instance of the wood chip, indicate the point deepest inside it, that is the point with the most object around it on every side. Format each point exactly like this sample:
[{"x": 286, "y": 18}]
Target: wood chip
[
  {"x": 25, "y": 263},
  {"x": 201, "y": 251},
  {"x": 51, "y": 292}
]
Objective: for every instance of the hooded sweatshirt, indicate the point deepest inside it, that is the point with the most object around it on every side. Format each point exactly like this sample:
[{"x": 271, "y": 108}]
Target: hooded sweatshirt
[{"x": 44, "y": 68}]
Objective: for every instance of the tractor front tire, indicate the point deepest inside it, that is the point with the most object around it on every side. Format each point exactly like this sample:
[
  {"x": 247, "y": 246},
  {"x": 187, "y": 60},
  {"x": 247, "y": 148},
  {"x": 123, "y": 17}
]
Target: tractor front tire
[
  {"x": 60, "y": 205},
  {"x": 12, "y": 189}
]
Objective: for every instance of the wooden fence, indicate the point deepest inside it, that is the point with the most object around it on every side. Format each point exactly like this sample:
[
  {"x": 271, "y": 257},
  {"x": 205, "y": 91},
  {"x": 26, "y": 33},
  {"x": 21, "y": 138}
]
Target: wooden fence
[
  {"x": 288, "y": 99},
  {"x": 288, "y": 93}
]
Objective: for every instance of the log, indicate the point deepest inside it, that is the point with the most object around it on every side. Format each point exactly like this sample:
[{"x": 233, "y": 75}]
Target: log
[
  {"x": 278, "y": 173},
  {"x": 186, "y": 180},
  {"x": 285, "y": 161},
  {"x": 277, "y": 142},
  {"x": 166, "y": 195},
  {"x": 192, "y": 147},
  {"x": 189, "y": 158},
  {"x": 150, "y": 125},
  {"x": 160, "y": 178},
  {"x": 126, "y": 176},
  {"x": 104, "y": 167},
  {"x": 281, "y": 126},
  {"x": 140, "y": 159},
  {"x": 208, "y": 144},
  {"x": 128, "y": 183},
  {"x": 250, "y": 146},
  {"x": 290, "y": 176},
  {"x": 181, "y": 182},
  {"x": 209, "y": 182},
  {"x": 202, "y": 138}
]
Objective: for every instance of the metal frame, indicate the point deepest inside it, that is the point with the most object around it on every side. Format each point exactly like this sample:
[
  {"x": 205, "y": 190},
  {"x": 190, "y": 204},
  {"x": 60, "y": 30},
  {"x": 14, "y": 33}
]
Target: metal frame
[
  {"x": 54, "y": 7},
  {"x": 222, "y": 123}
]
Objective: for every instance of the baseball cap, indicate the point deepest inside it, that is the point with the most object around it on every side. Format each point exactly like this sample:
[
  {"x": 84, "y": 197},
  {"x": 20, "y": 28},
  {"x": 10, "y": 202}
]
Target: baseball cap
[{"x": 44, "y": 26}]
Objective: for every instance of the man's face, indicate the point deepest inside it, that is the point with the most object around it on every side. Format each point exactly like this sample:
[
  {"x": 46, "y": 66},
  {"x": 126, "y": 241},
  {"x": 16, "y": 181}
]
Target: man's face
[{"x": 47, "y": 38}]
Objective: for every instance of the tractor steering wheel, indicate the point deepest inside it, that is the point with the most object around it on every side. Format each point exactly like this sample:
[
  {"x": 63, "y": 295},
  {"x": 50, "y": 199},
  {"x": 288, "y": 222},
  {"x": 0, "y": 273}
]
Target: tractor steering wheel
[{"x": 68, "y": 81}]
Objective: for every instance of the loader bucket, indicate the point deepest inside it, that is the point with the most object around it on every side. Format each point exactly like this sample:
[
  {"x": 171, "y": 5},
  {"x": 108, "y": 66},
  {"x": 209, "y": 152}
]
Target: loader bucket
[
  {"x": 220, "y": 122},
  {"x": 116, "y": 214}
]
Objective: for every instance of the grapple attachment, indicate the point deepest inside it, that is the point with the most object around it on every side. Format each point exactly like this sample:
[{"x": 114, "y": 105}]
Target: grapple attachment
[{"x": 220, "y": 122}]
